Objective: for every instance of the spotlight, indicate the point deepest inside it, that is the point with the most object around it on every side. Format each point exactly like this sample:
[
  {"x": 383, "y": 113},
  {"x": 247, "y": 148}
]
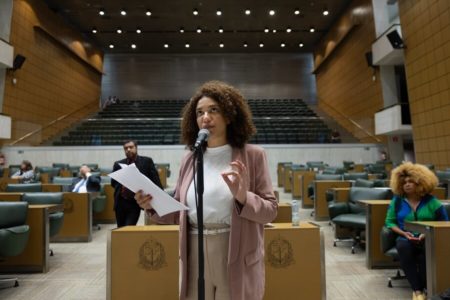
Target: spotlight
[
  {"x": 245, "y": 45},
  {"x": 325, "y": 12},
  {"x": 301, "y": 45},
  {"x": 288, "y": 30},
  {"x": 283, "y": 45},
  {"x": 133, "y": 46},
  {"x": 297, "y": 12},
  {"x": 266, "y": 30},
  {"x": 221, "y": 45},
  {"x": 195, "y": 12},
  {"x": 119, "y": 31},
  {"x": 148, "y": 13},
  {"x": 101, "y": 12},
  {"x": 271, "y": 12},
  {"x": 138, "y": 31},
  {"x": 219, "y": 12},
  {"x": 274, "y": 31},
  {"x": 248, "y": 12},
  {"x": 94, "y": 30},
  {"x": 199, "y": 30},
  {"x": 182, "y": 30},
  {"x": 261, "y": 45},
  {"x": 166, "y": 45},
  {"x": 220, "y": 30},
  {"x": 187, "y": 45},
  {"x": 123, "y": 12},
  {"x": 312, "y": 29},
  {"x": 111, "y": 46}
]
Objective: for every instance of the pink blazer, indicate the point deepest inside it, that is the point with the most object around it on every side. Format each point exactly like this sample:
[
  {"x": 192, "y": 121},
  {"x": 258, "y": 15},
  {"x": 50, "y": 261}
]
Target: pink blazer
[{"x": 246, "y": 246}]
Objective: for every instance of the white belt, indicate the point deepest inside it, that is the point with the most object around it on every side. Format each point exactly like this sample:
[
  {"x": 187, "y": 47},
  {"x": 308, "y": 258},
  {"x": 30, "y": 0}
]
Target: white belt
[{"x": 211, "y": 231}]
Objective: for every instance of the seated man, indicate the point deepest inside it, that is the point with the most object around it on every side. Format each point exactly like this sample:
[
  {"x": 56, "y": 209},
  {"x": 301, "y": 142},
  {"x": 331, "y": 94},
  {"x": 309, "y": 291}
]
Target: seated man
[
  {"x": 26, "y": 173},
  {"x": 86, "y": 182}
]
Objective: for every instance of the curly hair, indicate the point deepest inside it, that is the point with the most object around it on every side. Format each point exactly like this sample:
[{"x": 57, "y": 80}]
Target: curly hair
[
  {"x": 233, "y": 107},
  {"x": 424, "y": 178}
]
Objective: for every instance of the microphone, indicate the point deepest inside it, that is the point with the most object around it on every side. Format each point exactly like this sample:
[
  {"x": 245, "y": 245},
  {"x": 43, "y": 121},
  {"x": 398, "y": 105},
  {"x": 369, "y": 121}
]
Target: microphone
[{"x": 202, "y": 137}]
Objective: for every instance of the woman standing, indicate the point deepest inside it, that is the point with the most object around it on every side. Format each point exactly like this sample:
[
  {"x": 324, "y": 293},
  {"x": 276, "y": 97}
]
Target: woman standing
[
  {"x": 412, "y": 185},
  {"x": 238, "y": 198}
]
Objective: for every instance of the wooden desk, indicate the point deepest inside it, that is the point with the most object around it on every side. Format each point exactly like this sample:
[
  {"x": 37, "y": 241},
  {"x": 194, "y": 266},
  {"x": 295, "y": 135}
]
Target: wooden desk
[
  {"x": 107, "y": 216},
  {"x": 287, "y": 178},
  {"x": 303, "y": 179},
  {"x": 10, "y": 196},
  {"x": 52, "y": 188},
  {"x": 284, "y": 214},
  {"x": 142, "y": 263},
  {"x": 437, "y": 248},
  {"x": 320, "y": 203},
  {"x": 280, "y": 173},
  {"x": 77, "y": 226},
  {"x": 295, "y": 263},
  {"x": 162, "y": 172},
  {"x": 35, "y": 256},
  {"x": 4, "y": 181},
  {"x": 375, "y": 218}
]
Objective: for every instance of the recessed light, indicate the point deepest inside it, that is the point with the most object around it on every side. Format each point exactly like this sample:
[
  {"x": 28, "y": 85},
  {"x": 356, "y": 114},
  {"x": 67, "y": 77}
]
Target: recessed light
[
  {"x": 261, "y": 45},
  {"x": 274, "y": 31},
  {"x": 220, "y": 30},
  {"x": 301, "y": 45},
  {"x": 111, "y": 46},
  {"x": 138, "y": 31},
  {"x": 123, "y": 12},
  {"x": 187, "y": 45},
  {"x": 148, "y": 13},
  {"x": 221, "y": 45},
  {"x": 248, "y": 12},
  {"x": 245, "y": 45},
  {"x": 288, "y": 30},
  {"x": 119, "y": 31},
  {"x": 283, "y": 45},
  {"x": 266, "y": 30},
  {"x": 94, "y": 30},
  {"x": 101, "y": 12},
  {"x": 312, "y": 29},
  {"x": 271, "y": 12},
  {"x": 199, "y": 30},
  {"x": 325, "y": 12},
  {"x": 297, "y": 12},
  {"x": 195, "y": 12},
  {"x": 182, "y": 30},
  {"x": 133, "y": 46},
  {"x": 166, "y": 45},
  {"x": 219, "y": 12}
]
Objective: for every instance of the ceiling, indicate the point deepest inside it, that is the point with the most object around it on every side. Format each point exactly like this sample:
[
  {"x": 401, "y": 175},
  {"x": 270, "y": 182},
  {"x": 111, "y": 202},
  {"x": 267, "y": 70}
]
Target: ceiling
[{"x": 160, "y": 32}]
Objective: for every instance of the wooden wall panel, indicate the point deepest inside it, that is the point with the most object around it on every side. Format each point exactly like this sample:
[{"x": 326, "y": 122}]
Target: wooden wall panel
[
  {"x": 345, "y": 88},
  {"x": 426, "y": 32},
  {"x": 177, "y": 76},
  {"x": 54, "y": 80}
]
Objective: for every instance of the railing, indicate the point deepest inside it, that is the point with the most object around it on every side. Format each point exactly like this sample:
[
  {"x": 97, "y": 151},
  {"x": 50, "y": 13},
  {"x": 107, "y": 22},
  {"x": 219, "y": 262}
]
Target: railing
[
  {"x": 57, "y": 121},
  {"x": 353, "y": 122}
]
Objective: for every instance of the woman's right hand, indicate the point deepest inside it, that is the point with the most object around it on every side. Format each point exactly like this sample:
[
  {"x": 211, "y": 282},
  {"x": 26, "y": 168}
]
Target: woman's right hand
[
  {"x": 409, "y": 236},
  {"x": 143, "y": 200}
]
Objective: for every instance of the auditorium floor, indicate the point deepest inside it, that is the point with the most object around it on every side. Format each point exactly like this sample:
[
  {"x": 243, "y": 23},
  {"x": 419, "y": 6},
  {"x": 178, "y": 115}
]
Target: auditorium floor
[{"x": 78, "y": 271}]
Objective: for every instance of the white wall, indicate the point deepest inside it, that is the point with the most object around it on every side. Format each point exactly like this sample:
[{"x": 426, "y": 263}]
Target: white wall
[{"x": 333, "y": 154}]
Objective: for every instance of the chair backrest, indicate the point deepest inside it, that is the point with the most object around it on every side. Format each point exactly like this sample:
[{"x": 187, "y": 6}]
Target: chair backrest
[
  {"x": 442, "y": 175},
  {"x": 63, "y": 180},
  {"x": 49, "y": 170},
  {"x": 333, "y": 170},
  {"x": 354, "y": 176},
  {"x": 369, "y": 183},
  {"x": 43, "y": 198},
  {"x": 387, "y": 239},
  {"x": 363, "y": 193},
  {"x": 328, "y": 177},
  {"x": 13, "y": 214},
  {"x": 24, "y": 187},
  {"x": 60, "y": 165}
]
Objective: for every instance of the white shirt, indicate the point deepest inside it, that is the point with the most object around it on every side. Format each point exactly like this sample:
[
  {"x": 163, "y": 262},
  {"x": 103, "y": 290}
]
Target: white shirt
[
  {"x": 217, "y": 197},
  {"x": 80, "y": 187}
]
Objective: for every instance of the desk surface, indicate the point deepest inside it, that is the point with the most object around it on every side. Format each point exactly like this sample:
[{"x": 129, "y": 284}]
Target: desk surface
[
  {"x": 147, "y": 228},
  {"x": 303, "y": 225},
  {"x": 436, "y": 224},
  {"x": 375, "y": 202},
  {"x": 51, "y": 207}
]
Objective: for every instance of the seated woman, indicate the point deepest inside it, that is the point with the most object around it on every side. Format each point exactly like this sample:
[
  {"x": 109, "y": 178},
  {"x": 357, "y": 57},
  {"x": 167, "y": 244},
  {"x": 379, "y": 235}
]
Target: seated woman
[
  {"x": 25, "y": 174},
  {"x": 412, "y": 185}
]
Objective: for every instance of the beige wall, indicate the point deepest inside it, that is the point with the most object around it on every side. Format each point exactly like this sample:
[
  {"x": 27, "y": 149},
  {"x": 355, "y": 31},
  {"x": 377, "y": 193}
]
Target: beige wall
[
  {"x": 61, "y": 74},
  {"x": 426, "y": 32},
  {"x": 345, "y": 88}
]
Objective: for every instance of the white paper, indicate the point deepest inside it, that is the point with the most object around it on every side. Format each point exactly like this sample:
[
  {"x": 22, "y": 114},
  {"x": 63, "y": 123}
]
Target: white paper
[
  {"x": 123, "y": 165},
  {"x": 130, "y": 177}
]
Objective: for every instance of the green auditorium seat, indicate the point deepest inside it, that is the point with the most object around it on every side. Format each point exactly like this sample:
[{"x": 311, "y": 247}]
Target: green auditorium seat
[
  {"x": 14, "y": 234},
  {"x": 24, "y": 187}
]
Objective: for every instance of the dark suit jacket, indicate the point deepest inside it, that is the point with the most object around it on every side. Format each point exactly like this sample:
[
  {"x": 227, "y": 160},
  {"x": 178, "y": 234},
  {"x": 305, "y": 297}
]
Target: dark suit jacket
[
  {"x": 92, "y": 184},
  {"x": 146, "y": 166}
]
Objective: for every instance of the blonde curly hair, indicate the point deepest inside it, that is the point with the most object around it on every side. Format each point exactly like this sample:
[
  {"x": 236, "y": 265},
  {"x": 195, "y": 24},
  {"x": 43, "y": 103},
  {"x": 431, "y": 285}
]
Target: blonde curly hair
[{"x": 425, "y": 179}]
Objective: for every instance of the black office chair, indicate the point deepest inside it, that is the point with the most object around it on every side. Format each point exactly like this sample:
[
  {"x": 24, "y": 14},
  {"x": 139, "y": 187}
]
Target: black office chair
[{"x": 388, "y": 238}]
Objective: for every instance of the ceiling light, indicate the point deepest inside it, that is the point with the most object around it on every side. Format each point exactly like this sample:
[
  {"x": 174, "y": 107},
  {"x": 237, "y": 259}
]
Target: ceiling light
[
  {"x": 123, "y": 12},
  {"x": 271, "y": 12},
  {"x": 148, "y": 13},
  {"x": 297, "y": 12},
  {"x": 138, "y": 30},
  {"x": 166, "y": 45},
  {"x": 195, "y": 12},
  {"x": 220, "y": 30},
  {"x": 288, "y": 30},
  {"x": 221, "y": 45},
  {"x": 199, "y": 30},
  {"x": 266, "y": 30},
  {"x": 119, "y": 31},
  {"x": 283, "y": 45},
  {"x": 187, "y": 45},
  {"x": 101, "y": 12},
  {"x": 312, "y": 29},
  {"x": 181, "y": 30},
  {"x": 274, "y": 31},
  {"x": 245, "y": 45},
  {"x": 219, "y": 12},
  {"x": 325, "y": 12},
  {"x": 111, "y": 46},
  {"x": 301, "y": 45},
  {"x": 261, "y": 45},
  {"x": 133, "y": 46},
  {"x": 248, "y": 12},
  {"x": 94, "y": 30}
]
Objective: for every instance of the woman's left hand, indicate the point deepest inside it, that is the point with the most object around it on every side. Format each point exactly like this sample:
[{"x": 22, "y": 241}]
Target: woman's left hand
[{"x": 237, "y": 181}]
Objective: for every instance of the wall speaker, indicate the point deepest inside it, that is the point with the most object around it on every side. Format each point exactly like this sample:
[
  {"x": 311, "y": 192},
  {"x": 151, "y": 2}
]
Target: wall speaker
[
  {"x": 369, "y": 59},
  {"x": 395, "y": 40},
  {"x": 18, "y": 62}
]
